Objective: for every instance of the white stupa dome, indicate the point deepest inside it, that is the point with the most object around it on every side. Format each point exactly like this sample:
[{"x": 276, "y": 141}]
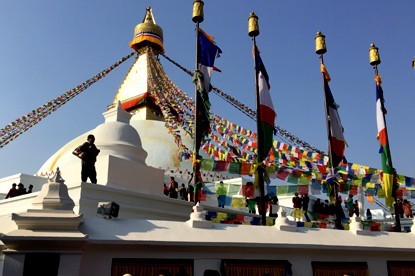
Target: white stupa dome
[{"x": 138, "y": 140}]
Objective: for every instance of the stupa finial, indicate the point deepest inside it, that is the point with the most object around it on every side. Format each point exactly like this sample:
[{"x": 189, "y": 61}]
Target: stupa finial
[{"x": 148, "y": 33}]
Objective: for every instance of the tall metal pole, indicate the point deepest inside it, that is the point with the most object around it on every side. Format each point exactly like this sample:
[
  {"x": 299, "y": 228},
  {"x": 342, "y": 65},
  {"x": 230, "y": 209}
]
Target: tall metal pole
[
  {"x": 328, "y": 126},
  {"x": 321, "y": 50},
  {"x": 374, "y": 59},
  {"x": 197, "y": 17},
  {"x": 195, "y": 152},
  {"x": 253, "y": 31}
]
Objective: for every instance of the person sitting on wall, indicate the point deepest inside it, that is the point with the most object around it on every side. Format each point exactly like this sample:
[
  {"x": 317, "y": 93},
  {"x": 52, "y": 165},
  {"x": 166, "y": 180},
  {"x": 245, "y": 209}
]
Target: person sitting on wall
[
  {"x": 21, "y": 190},
  {"x": 29, "y": 191},
  {"x": 12, "y": 192}
]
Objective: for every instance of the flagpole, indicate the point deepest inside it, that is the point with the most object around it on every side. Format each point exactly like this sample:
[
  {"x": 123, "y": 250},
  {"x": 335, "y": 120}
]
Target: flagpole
[
  {"x": 253, "y": 31},
  {"x": 374, "y": 59},
  {"x": 197, "y": 17},
  {"x": 321, "y": 49}
]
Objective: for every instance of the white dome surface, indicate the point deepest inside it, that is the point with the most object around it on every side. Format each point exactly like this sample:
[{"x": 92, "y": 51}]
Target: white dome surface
[
  {"x": 159, "y": 144},
  {"x": 124, "y": 140},
  {"x": 117, "y": 133}
]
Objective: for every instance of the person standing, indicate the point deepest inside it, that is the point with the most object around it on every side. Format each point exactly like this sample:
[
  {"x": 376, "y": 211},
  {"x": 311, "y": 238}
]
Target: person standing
[
  {"x": 221, "y": 194},
  {"x": 349, "y": 205},
  {"x": 356, "y": 208},
  {"x": 305, "y": 200},
  {"x": 339, "y": 213},
  {"x": 88, "y": 152},
  {"x": 190, "y": 190},
  {"x": 399, "y": 208},
  {"x": 190, "y": 193},
  {"x": 274, "y": 207},
  {"x": 173, "y": 188},
  {"x": 297, "y": 207},
  {"x": 183, "y": 192}
]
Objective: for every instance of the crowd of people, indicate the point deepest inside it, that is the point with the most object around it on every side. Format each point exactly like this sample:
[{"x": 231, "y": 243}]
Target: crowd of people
[
  {"x": 17, "y": 190},
  {"x": 184, "y": 193},
  {"x": 330, "y": 208},
  {"x": 320, "y": 209},
  {"x": 253, "y": 204},
  {"x": 326, "y": 208}
]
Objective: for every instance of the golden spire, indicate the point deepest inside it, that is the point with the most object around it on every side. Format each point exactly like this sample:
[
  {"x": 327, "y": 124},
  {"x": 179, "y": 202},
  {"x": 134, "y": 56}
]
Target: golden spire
[{"x": 148, "y": 33}]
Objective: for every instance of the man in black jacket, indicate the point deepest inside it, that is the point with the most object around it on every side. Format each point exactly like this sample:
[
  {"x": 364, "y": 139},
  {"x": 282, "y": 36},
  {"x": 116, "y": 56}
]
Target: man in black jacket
[{"x": 88, "y": 154}]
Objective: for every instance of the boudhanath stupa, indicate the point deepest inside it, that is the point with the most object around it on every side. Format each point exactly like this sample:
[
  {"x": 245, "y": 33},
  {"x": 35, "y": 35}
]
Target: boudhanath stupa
[
  {"x": 140, "y": 95},
  {"x": 146, "y": 137}
]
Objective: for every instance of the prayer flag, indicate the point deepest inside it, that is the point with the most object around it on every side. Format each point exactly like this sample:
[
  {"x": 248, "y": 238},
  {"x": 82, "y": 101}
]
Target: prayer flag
[
  {"x": 336, "y": 137},
  {"x": 245, "y": 168},
  {"x": 387, "y": 177},
  {"x": 207, "y": 165},
  {"x": 207, "y": 52},
  {"x": 409, "y": 182},
  {"x": 234, "y": 168},
  {"x": 282, "y": 190},
  {"x": 221, "y": 215},
  {"x": 292, "y": 189},
  {"x": 238, "y": 202},
  {"x": 221, "y": 166},
  {"x": 293, "y": 178},
  {"x": 248, "y": 191},
  {"x": 266, "y": 110},
  {"x": 303, "y": 189},
  {"x": 282, "y": 174}
]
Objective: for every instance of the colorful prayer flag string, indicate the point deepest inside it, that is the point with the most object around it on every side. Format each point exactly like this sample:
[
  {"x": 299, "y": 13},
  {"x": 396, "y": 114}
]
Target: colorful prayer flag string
[{"x": 22, "y": 124}]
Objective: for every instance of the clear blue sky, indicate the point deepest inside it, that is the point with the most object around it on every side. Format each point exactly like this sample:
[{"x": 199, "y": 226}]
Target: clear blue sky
[{"x": 48, "y": 47}]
